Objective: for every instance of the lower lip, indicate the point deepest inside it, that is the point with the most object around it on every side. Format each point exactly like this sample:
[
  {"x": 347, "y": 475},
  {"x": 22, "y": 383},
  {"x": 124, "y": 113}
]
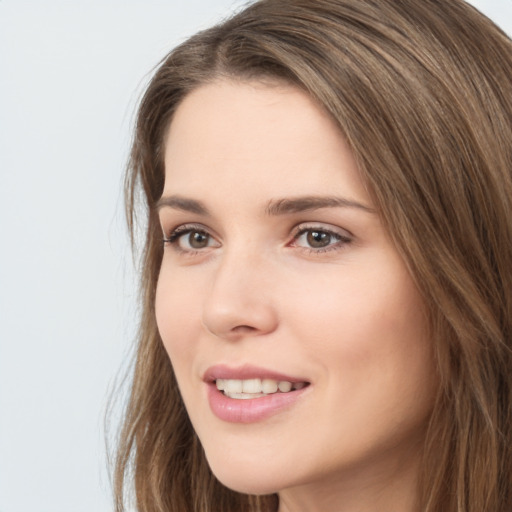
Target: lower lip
[{"x": 253, "y": 409}]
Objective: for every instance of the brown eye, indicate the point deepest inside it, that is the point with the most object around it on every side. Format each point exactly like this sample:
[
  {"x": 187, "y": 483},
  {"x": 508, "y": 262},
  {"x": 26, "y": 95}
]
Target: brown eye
[
  {"x": 198, "y": 240},
  {"x": 191, "y": 239},
  {"x": 318, "y": 239}
]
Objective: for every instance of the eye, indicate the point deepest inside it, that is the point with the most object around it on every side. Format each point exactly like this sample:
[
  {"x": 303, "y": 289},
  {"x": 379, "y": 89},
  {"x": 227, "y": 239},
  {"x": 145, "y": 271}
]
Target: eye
[
  {"x": 190, "y": 239},
  {"x": 194, "y": 240},
  {"x": 320, "y": 239}
]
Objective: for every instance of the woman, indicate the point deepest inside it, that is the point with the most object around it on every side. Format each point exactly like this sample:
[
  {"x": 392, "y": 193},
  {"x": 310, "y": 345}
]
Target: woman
[{"x": 327, "y": 322}]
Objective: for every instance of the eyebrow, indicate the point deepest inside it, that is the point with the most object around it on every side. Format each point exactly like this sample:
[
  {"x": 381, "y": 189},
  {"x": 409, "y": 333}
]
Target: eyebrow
[
  {"x": 182, "y": 203},
  {"x": 274, "y": 207},
  {"x": 309, "y": 203}
]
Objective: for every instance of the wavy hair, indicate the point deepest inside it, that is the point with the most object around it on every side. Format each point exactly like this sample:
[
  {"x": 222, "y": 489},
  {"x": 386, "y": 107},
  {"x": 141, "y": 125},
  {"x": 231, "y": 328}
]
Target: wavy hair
[{"x": 422, "y": 91}]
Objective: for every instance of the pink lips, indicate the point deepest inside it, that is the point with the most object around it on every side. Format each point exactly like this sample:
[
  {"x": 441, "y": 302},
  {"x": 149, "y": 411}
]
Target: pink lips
[{"x": 254, "y": 409}]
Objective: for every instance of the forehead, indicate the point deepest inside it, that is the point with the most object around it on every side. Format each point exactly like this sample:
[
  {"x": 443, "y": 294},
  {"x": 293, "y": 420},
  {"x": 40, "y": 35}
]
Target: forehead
[{"x": 256, "y": 135}]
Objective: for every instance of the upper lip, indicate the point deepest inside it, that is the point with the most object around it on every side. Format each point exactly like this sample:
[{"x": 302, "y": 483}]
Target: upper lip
[{"x": 222, "y": 371}]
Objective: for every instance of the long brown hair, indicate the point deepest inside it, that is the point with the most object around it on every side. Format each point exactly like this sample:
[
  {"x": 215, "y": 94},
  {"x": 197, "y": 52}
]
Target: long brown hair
[{"x": 422, "y": 91}]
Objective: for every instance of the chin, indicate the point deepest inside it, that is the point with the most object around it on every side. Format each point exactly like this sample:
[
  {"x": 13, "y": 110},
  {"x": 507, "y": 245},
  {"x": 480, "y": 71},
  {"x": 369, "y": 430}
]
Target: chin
[{"x": 246, "y": 479}]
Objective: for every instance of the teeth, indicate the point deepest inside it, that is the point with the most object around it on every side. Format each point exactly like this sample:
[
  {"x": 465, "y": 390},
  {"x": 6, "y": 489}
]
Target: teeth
[
  {"x": 269, "y": 386},
  {"x": 254, "y": 388},
  {"x": 233, "y": 386},
  {"x": 251, "y": 386},
  {"x": 245, "y": 396},
  {"x": 284, "y": 386}
]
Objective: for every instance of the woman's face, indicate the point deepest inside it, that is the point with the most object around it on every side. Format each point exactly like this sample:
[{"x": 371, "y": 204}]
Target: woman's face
[{"x": 279, "y": 284}]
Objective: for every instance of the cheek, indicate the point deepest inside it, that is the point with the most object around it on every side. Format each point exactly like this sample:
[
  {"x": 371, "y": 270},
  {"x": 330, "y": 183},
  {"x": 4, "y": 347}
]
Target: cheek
[
  {"x": 362, "y": 309},
  {"x": 177, "y": 316},
  {"x": 378, "y": 379},
  {"x": 369, "y": 332}
]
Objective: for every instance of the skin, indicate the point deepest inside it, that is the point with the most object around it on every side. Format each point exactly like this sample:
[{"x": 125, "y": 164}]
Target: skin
[{"x": 346, "y": 317}]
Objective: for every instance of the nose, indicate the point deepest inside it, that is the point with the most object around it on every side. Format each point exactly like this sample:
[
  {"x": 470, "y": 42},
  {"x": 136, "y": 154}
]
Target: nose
[{"x": 239, "y": 301}]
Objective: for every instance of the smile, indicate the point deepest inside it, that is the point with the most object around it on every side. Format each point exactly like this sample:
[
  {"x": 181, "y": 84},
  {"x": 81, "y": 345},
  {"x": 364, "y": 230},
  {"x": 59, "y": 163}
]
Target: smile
[
  {"x": 255, "y": 388},
  {"x": 249, "y": 394}
]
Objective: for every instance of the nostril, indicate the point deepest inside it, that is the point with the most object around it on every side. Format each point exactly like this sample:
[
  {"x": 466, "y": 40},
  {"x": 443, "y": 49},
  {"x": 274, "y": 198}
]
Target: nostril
[{"x": 243, "y": 329}]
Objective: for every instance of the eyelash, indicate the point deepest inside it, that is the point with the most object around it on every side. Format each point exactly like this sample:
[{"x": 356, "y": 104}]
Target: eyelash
[
  {"x": 185, "y": 229},
  {"x": 341, "y": 240}
]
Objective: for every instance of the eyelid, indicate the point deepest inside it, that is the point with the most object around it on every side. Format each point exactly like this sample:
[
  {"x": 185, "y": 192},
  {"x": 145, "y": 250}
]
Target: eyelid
[
  {"x": 174, "y": 235},
  {"x": 170, "y": 234},
  {"x": 321, "y": 226},
  {"x": 343, "y": 237}
]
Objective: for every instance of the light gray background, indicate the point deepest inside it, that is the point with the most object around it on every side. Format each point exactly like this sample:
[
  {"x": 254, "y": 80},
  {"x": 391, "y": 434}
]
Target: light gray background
[{"x": 70, "y": 76}]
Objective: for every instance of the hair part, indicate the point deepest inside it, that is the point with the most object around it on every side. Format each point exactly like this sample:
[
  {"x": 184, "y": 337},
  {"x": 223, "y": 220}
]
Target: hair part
[{"x": 422, "y": 91}]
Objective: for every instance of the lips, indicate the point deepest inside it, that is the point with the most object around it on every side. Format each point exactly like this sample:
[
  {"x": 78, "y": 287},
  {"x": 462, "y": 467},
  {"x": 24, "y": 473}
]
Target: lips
[
  {"x": 248, "y": 394},
  {"x": 246, "y": 372},
  {"x": 238, "y": 388}
]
